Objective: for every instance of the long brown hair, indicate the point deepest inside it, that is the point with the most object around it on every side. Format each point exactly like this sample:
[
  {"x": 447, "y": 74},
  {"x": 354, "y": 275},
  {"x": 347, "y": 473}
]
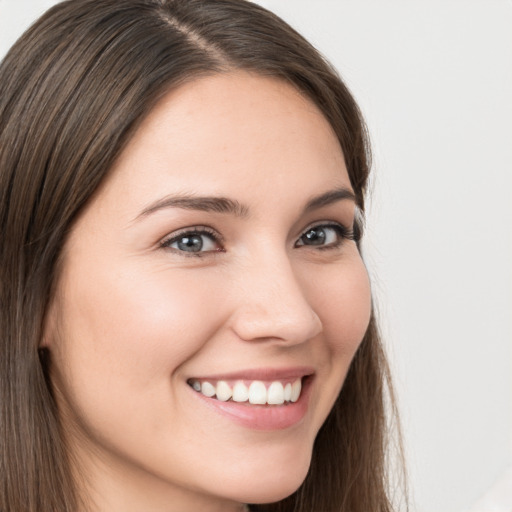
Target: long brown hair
[{"x": 73, "y": 90}]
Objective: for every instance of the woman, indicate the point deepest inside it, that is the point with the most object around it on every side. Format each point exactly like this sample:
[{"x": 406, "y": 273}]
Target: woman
[{"x": 186, "y": 317}]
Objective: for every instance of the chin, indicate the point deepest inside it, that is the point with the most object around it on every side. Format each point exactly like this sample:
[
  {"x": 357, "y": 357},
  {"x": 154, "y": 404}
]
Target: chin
[
  {"x": 276, "y": 491},
  {"x": 271, "y": 483}
]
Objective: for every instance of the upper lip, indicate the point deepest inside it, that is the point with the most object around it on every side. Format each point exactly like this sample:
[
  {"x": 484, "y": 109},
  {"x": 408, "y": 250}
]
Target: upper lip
[{"x": 295, "y": 372}]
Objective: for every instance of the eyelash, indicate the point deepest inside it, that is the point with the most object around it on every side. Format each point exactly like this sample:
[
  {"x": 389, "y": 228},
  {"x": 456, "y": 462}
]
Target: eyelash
[
  {"x": 190, "y": 232},
  {"x": 342, "y": 231}
]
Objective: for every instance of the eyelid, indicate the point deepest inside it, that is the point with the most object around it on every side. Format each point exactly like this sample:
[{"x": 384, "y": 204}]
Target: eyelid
[
  {"x": 345, "y": 232},
  {"x": 192, "y": 230}
]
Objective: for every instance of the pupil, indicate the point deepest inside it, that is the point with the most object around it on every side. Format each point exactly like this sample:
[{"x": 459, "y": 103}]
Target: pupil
[
  {"x": 315, "y": 236},
  {"x": 190, "y": 243}
]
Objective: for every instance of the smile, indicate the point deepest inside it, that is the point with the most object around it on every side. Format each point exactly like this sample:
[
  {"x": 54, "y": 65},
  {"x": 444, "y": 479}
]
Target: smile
[
  {"x": 262, "y": 399},
  {"x": 256, "y": 392}
]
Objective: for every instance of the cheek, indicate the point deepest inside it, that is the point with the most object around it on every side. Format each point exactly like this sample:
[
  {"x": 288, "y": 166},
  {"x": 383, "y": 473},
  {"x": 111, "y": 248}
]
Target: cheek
[
  {"x": 355, "y": 307},
  {"x": 343, "y": 303},
  {"x": 128, "y": 332}
]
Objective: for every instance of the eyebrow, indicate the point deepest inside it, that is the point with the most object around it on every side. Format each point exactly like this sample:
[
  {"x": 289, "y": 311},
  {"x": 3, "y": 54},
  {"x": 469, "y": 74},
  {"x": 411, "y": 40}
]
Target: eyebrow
[
  {"x": 233, "y": 207},
  {"x": 204, "y": 204},
  {"x": 330, "y": 197}
]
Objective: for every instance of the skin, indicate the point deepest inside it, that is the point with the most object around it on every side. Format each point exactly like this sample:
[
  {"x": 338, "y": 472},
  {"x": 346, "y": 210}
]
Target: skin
[{"x": 132, "y": 320}]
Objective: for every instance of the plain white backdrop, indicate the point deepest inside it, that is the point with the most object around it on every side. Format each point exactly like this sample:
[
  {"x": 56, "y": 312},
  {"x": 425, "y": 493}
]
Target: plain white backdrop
[{"x": 434, "y": 80}]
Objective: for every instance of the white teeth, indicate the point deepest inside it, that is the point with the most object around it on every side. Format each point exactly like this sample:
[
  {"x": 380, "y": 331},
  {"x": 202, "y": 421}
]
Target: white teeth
[
  {"x": 296, "y": 389},
  {"x": 288, "y": 392},
  {"x": 257, "y": 393},
  {"x": 207, "y": 389},
  {"x": 275, "y": 393},
  {"x": 223, "y": 391},
  {"x": 240, "y": 392}
]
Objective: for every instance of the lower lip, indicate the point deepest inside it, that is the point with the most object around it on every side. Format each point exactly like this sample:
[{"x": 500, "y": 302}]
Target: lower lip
[{"x": 263, "y": 417}]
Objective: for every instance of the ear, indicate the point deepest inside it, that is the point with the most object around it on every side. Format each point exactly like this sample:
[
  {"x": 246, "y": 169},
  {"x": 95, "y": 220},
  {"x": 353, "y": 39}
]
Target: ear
[{"x": 49, "y": 326}]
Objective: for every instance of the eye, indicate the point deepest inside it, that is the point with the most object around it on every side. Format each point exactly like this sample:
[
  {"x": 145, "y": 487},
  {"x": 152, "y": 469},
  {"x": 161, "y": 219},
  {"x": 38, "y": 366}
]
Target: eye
[
  {"x": 194, "y": 241},
  {"x": 325, "y": 236}
]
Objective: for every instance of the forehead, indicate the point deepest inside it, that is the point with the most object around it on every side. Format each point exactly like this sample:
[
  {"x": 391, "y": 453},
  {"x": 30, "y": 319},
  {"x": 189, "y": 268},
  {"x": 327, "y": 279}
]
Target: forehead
[{"x": 234, "y": 132}]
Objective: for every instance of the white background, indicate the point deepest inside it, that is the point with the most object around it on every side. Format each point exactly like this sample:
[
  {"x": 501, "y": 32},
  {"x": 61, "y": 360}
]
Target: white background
[{"x": 434, "y": 80}]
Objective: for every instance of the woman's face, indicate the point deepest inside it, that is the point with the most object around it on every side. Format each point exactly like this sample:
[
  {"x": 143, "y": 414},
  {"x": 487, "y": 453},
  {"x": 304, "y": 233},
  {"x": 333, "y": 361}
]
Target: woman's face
[{"x": 216, "y": 258}]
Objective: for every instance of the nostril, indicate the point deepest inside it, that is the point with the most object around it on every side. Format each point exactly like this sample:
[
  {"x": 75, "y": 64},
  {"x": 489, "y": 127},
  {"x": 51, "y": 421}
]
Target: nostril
[{"x": 284, "y": 325}]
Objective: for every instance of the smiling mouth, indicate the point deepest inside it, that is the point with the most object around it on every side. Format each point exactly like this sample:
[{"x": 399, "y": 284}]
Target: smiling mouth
[{"x": 253, "y": 392}]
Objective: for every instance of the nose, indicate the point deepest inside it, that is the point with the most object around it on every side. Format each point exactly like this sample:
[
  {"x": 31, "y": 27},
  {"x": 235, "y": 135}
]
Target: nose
[{"x": 272, "y": 305}]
